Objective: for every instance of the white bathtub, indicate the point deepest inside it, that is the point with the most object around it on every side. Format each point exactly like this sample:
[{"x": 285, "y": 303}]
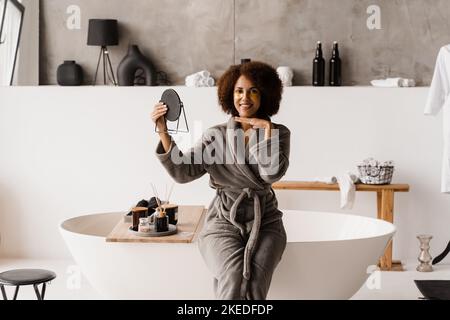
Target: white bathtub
[{"x": 327, "y": 257}]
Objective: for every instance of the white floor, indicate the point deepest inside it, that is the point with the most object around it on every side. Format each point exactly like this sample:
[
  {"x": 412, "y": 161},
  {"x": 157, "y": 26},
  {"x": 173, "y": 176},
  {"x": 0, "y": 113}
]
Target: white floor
[
  {"x": 399, "y": 285},
  {"x": 70, "y": 284}
]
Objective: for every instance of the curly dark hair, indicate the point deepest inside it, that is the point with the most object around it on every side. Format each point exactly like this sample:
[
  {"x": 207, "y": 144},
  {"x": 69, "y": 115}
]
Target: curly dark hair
[{"x": 264, "y": 77}]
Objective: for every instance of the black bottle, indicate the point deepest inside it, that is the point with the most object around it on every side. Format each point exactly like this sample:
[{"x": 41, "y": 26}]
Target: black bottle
[
  {"x": 335, "y": 67},
  {"x": 319, "y": 67}
]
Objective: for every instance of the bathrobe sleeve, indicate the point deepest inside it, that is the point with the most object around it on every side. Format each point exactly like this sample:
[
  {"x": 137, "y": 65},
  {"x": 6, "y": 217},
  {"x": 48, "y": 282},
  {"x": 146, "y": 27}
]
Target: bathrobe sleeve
[
  {"x": 439, "y": 87},
  {"x": 183, "y": 167},
  {"x": 272, "y": 155}
]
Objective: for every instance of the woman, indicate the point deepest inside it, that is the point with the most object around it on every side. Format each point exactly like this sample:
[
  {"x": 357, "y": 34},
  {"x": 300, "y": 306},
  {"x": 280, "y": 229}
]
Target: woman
[{"x": 244, "y": 238}]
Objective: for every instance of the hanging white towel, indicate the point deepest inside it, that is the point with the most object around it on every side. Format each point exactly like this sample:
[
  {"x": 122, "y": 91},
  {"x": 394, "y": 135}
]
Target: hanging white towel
[
  {"x": 347, "y": 187},
  {"x": 348, "y": 190}
]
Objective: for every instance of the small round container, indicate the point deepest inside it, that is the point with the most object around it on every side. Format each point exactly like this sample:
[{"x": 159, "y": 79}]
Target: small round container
[{"x": 144, "y": 225}]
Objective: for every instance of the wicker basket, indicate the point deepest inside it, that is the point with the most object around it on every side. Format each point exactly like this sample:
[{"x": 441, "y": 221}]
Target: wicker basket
[{"x": 376, "y": 174}]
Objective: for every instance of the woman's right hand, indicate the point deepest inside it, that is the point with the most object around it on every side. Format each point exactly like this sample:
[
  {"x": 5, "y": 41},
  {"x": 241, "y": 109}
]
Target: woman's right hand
[{"x": 158, "y": 118}]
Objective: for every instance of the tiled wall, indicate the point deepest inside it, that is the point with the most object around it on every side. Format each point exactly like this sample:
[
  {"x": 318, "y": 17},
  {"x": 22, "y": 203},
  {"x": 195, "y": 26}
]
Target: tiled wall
[{"x": 182, "y": 37}]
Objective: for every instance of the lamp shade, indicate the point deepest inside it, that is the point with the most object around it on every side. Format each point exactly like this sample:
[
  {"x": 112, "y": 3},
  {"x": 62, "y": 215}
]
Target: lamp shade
[{"x": 103, "y": 32}]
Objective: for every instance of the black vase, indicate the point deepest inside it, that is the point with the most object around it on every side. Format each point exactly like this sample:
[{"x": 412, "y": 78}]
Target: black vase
[
  {"x": 70, "y": 74},
  {"x": 133, "y": 62}
]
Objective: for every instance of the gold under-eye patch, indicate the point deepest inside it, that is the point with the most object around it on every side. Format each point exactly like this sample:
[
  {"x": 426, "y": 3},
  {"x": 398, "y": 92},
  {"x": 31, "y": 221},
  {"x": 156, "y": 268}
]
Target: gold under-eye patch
[{"x": 253, "y": 93}]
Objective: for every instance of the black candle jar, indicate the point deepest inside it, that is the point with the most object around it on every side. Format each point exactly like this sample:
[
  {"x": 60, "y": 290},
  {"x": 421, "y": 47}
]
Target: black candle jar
[
  {"x": 172, "y": 213},
  {"x": 162, "y": 224},
  {"x": 137, "y": 214}
]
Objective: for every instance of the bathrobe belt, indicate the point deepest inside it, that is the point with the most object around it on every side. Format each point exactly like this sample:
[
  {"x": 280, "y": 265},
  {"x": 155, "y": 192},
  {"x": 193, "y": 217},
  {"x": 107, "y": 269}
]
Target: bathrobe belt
[{"x": 254, "y": 234}]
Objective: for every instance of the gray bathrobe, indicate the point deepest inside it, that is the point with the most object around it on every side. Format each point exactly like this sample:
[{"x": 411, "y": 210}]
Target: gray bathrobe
[{"x": 243, "y": 238}]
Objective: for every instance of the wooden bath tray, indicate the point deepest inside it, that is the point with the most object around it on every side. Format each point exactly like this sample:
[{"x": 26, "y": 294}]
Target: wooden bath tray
[
  {"x": 190, "y": 222},
  {"x": 153, "y": 233}
]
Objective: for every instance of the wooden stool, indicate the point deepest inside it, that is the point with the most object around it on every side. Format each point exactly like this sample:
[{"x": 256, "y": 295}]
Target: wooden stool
[{"x": 25, "y": 277}]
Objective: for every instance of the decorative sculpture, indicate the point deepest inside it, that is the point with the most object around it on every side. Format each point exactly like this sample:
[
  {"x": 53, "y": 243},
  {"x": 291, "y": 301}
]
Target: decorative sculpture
[
  {"x": 424, "y": 257},
  {"x": 69, "y": 74},
  {"x": 132, "y": 63},
  {"x": 286, "y": 76}
]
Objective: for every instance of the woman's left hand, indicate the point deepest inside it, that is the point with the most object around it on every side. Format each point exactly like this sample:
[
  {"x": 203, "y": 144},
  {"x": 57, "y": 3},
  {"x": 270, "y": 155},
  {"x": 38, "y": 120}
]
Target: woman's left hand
[{"x": 257, "y": 124}]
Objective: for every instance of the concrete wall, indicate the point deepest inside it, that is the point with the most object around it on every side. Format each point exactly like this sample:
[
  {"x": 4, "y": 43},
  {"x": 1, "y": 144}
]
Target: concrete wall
[
  {"x": 185, "y": 36},
  {"x": 178, "y": 36},
  {"x": 65, "y": 155}
]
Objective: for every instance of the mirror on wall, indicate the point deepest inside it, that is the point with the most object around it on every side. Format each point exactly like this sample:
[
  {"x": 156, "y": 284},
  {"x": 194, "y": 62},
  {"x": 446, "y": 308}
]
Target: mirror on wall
[{"x": 11, "y": 15}]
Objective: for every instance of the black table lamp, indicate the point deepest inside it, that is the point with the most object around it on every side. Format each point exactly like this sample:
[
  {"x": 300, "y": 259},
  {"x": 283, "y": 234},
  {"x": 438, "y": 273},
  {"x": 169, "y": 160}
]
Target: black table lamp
[{"x": 104, "y": 33}]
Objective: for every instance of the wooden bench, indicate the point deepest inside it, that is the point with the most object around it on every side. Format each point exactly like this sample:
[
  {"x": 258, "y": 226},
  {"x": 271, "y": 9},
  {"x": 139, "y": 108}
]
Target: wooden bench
[{"x": 385, "y": 207}]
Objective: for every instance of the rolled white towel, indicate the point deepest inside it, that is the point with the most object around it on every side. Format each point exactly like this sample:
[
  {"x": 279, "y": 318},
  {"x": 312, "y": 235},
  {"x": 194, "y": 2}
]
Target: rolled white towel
[
  {"x": 387, "y": 83},
  {"x": 201, "y": 82},
  {"x": 200, "y": 79},
  {"x": 193, "y": 77},
  {"x": 204, "y": 74},
  {"x": 210, "y": 82},
  {"x": 193, "y": 80},
  {"x": 407, "y": 83},
  {"x": 193, "y": 83},
  {"x": 393, "y": 83},
  {"x": 207, "y": 82},
  {"x": 327, "y": 180}
]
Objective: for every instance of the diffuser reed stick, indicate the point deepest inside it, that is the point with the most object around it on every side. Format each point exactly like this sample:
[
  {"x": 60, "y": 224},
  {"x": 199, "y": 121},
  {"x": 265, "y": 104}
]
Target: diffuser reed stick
[
  {"x": 165, "y": 192},
  {"x": 156, "y": 195},
  {"x": 170, "y": 193}
]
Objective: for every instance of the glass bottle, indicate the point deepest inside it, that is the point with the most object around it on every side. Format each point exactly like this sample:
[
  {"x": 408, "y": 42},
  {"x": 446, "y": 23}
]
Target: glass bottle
[
  {"x": 335, "y": 67},
  {"x": 144, "y": 226},
  {"x": 319, "y": 67}
]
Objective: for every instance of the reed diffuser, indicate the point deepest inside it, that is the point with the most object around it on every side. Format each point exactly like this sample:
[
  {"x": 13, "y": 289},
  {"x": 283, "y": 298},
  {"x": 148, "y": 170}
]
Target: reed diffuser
[
  {"x": 161, "y": 218},
  {"x": 161, "y": 221}
]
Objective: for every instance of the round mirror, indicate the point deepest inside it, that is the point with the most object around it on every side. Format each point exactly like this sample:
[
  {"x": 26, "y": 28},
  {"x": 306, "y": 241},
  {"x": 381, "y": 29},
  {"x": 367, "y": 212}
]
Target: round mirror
[{"x": 174, "y": 105}]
